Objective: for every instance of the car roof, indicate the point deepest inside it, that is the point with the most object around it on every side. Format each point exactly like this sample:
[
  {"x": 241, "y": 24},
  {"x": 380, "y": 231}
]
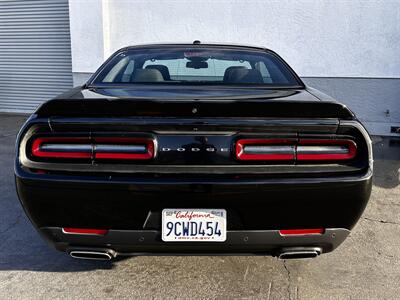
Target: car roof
[{"x": 197, "y": 44}]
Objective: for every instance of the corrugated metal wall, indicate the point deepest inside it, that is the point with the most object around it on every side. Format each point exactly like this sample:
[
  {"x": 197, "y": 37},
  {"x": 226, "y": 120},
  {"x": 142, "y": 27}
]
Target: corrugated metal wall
[{"x": 35, "y": 52}]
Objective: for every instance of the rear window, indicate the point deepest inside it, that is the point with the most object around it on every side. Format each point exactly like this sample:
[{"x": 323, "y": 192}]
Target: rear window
[{"x": 195, "y": 66}]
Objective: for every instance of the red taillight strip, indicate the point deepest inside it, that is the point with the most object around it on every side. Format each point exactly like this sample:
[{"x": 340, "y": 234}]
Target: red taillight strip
[
  {"x": 85, "y": 231},
  {"x": 99, "y": 148},
  {"x": 148, "y": 152},
  {"x": 329, "y": 149},
  {"x": 38, "y": 151},
  {"x": 291, "y": 150},
  {"x": 278, "y": 149},
  {"x": 301, "y": 231}
]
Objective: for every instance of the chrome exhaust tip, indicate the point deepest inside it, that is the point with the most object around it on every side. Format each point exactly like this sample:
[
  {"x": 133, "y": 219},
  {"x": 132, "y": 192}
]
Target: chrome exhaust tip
[
  {"x": 93, "y": 254},
  {"x": 299, "y": 253}
]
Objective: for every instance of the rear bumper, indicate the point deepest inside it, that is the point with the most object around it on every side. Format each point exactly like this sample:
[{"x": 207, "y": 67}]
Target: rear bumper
[
  {"x": 139, "y": 242},
  {"x": 130, "y": 209}
]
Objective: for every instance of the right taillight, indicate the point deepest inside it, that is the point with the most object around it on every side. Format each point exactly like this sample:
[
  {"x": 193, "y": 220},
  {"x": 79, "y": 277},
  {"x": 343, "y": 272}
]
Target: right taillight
[
  {"x": 295, "y": 150},
  {"x": 265, "y": 149},
  {"x": 326, "y": 149}
]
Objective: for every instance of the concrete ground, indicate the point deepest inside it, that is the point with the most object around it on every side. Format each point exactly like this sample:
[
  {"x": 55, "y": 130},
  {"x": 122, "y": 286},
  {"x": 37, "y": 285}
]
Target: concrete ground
[{"x": 366, "y": 266}]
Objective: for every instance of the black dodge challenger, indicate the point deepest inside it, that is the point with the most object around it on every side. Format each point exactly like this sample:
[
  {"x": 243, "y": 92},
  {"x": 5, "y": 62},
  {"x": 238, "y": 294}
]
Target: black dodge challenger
[{"x": 193, "y": 149}]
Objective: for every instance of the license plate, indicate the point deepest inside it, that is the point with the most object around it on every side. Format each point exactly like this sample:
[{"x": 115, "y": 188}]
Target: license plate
[{"x": 193, "y": 225}]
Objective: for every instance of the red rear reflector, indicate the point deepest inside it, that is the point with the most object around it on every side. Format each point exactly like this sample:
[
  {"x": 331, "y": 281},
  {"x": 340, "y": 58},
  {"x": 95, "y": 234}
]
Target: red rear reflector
[
  {"x": 265, "y": 149},
  {"x": 301, "y": 231},
  {"x": 85, "y": 231}
]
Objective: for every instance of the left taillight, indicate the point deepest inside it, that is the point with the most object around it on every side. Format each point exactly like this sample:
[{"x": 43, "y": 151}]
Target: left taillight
[
  {"x": 99, "y": 148},
  {"x": 61, "y": 147},
  {"x": 123, "y": 148}
]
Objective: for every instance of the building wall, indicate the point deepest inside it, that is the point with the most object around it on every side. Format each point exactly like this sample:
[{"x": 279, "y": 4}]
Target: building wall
[
  {"x": 35, "y": 53},
  {"x": 348, "y": 49}
]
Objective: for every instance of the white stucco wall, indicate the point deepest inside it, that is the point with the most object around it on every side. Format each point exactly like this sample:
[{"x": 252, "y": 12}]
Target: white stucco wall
[
  {"x": 346, "y": 48},
  {"x": 318, "y": 38},
  {"x": 86, "y": 30}
]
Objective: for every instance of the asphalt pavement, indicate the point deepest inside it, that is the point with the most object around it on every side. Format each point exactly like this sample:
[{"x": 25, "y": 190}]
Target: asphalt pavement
[{"x": 365, "y": 266}]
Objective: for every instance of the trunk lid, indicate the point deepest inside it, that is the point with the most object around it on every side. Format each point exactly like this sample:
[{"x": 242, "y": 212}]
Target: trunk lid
[{"x": 193, "y": 103}]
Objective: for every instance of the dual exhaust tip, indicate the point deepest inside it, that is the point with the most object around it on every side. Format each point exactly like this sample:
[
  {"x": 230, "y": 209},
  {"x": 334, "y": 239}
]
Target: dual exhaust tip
[
  {"x": 299, "y": 252},
  {"x": 97, "y": 254},
  {"x": 108, "y": 254}
]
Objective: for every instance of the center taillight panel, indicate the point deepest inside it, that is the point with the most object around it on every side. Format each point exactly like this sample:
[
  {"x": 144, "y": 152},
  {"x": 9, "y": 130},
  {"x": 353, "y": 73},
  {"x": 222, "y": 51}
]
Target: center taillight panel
[
  {"x": 291, "y": 150},
  {"x": 190, "y": 149}
]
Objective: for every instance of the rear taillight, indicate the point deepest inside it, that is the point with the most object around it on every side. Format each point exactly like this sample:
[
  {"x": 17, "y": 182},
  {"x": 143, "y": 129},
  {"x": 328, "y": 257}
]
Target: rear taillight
[
  {"x": 62, "y": 147},
  {"x": 123, "y": 148},
  {"x": 292, "y": 150},
  {"x": 326, "y": 150},
  {"x": 265, "y": 149},
  {"x": 93, "y": 148}
]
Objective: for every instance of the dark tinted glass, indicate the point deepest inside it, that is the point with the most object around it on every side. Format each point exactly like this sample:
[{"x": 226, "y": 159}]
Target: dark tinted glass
[{"x": 196, "y": 66}]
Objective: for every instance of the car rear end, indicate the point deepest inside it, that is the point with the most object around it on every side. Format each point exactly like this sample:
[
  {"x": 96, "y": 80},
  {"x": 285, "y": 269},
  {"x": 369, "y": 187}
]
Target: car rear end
[{"x": 101, "y": 178}]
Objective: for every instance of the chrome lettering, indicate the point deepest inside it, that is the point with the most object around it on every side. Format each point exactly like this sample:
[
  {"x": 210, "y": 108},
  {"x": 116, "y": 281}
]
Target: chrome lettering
[{"x": 195, "y": 149}]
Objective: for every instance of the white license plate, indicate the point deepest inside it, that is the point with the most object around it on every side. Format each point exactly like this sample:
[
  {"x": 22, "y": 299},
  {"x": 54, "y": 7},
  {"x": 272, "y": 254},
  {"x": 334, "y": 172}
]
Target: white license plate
[{"x": 193, "y": 225}]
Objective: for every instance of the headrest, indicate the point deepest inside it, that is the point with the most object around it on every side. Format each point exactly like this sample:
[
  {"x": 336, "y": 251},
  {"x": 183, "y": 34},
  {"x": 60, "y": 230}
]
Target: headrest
[
  {"x": 147, "y": 75},
  {"x": 228, "y": 72},
  {"x": 245, "y": 76},
  {"x": 163, "y": 69}
]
